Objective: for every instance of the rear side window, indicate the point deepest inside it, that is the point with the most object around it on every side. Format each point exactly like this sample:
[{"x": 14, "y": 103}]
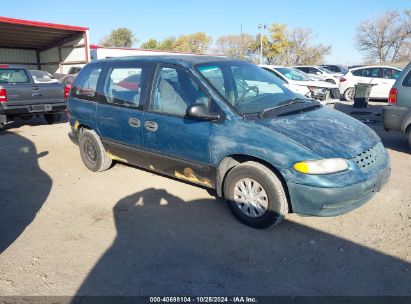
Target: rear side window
[
  {"x": 85, "y": 85},
  {"x": 13, "y": 76},
  {"x": 124, "y": 85},
  {"x": 372, "y": 73},
  {"x": 357, "y": 72},
  {"x": 407, "y": 80}
]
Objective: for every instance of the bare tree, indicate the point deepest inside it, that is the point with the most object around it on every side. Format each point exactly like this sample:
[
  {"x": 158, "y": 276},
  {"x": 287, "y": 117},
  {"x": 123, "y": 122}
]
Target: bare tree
[
  {"x": 384, "y": 38},
  {"x": 301, "y": 51},
  {"x": 235, "y": 46}
]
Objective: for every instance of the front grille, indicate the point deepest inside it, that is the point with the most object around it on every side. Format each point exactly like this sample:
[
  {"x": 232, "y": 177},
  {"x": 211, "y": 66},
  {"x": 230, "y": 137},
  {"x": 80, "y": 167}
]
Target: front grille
[{"x": 372, "y": 158}]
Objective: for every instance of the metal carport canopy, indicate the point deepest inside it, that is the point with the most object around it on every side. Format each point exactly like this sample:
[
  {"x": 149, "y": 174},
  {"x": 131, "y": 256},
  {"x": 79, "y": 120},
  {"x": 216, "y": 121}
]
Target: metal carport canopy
[{"x": 25, "y": 34}]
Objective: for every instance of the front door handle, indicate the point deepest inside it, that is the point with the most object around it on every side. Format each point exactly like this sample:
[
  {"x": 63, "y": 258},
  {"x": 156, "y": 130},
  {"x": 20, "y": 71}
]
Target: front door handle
[
  {"x": 151, "y": 126},
  {"x": 134, "y": 122}
]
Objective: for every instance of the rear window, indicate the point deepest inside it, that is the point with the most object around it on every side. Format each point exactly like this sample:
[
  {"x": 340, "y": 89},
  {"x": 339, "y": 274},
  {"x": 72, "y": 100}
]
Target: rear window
[
  {"x": 85, "y": 85},
  {"x": 13, "y": 76}
]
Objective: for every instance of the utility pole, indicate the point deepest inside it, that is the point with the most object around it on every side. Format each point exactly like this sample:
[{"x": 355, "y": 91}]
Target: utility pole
[
  {"x": 261, "y": 27},
  {"x": 242, "y": 42}
]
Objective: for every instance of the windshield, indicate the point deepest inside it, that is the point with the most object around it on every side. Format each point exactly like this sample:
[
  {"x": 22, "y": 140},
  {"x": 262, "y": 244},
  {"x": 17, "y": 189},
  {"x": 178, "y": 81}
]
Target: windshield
[
  {"x": 245, "y": 86},
  {"x": 293, "y": 74},
  {"x": 325, "y": 70}
]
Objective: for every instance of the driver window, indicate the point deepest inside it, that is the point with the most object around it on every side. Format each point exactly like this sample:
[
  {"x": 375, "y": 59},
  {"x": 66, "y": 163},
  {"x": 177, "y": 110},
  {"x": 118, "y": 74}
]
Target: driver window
[{"x": 174, "y": 91}]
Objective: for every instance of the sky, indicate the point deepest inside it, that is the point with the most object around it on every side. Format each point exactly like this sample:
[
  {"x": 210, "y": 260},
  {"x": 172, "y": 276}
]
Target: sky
[{"x": 333, "y": 22}]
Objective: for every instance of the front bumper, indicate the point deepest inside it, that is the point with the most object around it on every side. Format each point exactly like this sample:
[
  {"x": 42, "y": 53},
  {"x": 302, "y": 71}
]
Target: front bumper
[{"x": 307, "y": 200}]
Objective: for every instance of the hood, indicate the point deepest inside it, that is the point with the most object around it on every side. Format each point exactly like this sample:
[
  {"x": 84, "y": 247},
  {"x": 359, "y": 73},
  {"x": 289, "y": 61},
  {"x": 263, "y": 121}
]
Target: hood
[
  {"x": 327, "y": 132},
  {"x": 315, "y": 83}
]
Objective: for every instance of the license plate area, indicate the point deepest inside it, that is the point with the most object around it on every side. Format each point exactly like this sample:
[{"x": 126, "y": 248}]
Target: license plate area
[{"x": 40, "y": 108}]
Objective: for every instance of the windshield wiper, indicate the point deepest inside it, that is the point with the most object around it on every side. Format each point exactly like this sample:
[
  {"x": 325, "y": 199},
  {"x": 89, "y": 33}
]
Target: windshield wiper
[{"x": 283, "y": 104}]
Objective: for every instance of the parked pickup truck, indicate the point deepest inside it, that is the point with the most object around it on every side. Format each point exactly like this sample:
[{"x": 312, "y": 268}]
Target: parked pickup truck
[{"x": 21, "y": 97}]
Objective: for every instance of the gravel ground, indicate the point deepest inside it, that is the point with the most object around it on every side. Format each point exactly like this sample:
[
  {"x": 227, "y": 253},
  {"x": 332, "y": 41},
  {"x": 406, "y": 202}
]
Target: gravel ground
[{"x": 67, "y": 231}]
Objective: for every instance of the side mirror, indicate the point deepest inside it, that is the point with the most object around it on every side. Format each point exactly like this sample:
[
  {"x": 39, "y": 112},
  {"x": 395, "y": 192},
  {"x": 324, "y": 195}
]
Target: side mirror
[
  {"x": 318, "y": 73},
  {"x": 199, "y": 111}
]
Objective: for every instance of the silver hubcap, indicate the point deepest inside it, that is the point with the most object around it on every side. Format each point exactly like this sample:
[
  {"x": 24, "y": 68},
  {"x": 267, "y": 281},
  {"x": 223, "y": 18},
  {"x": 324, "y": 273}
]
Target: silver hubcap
[{"x": 250, "y": 197}]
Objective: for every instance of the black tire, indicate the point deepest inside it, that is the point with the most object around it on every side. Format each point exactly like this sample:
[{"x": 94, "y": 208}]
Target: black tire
[
  {"x": 349, "y": 94},
  {"x": 92, "y": 152},
  {"x": 277, "y": 206},
  {"x": 52, "y": 118},
  {"x": 332, "y": 81},
  {"x": 409, "y": 138}
]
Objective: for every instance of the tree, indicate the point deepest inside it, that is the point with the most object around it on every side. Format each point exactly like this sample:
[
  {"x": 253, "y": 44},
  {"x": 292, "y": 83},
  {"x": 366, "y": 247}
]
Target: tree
[
  {"x": 384, "y": 38},
  {"x": 284, "y": 47},
  {"x": 151, "y": 44},
  {"x": 234, "y": 46},
  {"x": 121, "y": 37},
  {"x": 301, "y": 52},
  {"x": 195, "y": 43},
  {"x": 168, "y": 44}
]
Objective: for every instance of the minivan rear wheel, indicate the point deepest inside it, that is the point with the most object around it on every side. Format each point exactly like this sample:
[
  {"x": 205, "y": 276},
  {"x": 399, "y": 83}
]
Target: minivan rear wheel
[
  {"x": 255, "y": 195},
  {"x": 92, "y": 152},
  {"x": 409, "y": 138}
]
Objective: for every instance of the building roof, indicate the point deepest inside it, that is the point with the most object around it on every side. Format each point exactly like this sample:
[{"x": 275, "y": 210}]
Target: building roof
[{"x": 18, "y": 33}]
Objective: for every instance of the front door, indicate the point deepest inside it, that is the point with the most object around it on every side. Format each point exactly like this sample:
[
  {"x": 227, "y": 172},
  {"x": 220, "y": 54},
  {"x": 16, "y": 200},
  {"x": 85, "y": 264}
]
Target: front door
[{"x": 178, "y": 146}]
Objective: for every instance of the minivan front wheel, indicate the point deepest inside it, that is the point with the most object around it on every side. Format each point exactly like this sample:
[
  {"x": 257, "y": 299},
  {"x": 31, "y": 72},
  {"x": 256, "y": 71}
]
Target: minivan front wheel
[
  {"x": 255, "y": 195},
  {"x": 92, "y": 152}
]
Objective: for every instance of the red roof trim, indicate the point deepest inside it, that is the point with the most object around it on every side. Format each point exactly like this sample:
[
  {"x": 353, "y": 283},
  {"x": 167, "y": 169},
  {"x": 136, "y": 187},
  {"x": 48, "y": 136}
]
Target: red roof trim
[{"x": 43, "y": 24}]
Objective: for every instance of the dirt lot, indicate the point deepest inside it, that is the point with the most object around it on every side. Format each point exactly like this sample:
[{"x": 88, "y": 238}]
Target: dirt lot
[{"x": 65, "y": 230}]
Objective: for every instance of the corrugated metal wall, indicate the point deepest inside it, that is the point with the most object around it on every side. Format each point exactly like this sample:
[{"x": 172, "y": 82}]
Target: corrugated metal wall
[
  {"x": 57, "y": 60},
  {"x": 60, "y": 59}
]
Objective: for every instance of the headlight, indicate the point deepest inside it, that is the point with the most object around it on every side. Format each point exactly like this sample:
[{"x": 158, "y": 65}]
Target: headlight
[{"x": 322, "y": 166}]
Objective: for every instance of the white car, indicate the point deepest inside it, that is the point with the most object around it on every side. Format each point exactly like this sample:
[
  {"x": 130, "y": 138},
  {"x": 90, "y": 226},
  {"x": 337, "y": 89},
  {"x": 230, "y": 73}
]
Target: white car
[
  {"x": 320, "y": 73},
  {"x": 303, "y": 83},
  {"x": 381, "y": 77}
]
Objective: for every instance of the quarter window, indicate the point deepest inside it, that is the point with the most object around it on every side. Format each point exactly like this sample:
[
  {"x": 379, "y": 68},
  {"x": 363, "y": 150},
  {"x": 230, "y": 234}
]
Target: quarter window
[
  {"x": 175, "y": 90},
  {"x": 407, "y": 80},
  {"x": 391, "y": 73},
  {"x": 123, "y": 86},
  {"x": 85, "y": 85}
]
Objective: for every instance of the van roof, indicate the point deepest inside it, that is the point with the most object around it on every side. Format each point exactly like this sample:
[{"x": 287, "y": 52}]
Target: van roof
[{"x": 186, "y": 60}]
